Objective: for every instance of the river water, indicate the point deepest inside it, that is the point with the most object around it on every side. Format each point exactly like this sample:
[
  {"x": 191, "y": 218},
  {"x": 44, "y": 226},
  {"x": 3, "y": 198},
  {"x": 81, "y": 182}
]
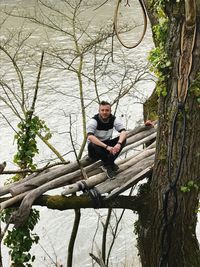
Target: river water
[{"x": 57, "y": 99}]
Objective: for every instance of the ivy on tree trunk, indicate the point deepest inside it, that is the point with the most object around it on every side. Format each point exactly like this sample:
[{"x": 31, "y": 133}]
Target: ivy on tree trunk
[{"x": 168, "y": 215}]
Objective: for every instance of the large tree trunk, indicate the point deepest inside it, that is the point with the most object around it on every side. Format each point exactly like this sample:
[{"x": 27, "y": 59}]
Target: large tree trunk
[{"x": 168, "y": 216}]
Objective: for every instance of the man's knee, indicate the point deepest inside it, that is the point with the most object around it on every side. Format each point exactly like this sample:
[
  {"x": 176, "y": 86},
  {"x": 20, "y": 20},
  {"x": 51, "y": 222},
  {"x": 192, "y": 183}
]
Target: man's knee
[
  {"x": 93, "y": 151},
  {"x": 92, "y": 147}
]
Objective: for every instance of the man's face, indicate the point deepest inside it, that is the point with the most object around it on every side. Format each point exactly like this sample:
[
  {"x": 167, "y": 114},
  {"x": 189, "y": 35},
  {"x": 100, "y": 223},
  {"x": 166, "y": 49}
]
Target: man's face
[{"x": 104, "y": 111}]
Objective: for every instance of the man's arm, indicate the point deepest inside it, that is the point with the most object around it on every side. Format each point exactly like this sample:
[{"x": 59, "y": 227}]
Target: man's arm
[
  {"x": 122, "y": 136},
  {"x": 118, "y": 125},
  {"x": 95, "y": 140}
]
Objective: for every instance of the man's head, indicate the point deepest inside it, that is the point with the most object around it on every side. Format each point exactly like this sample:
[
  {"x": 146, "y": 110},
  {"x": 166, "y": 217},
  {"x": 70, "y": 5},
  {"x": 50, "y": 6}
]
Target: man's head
[{"x": 104, "y": 110}]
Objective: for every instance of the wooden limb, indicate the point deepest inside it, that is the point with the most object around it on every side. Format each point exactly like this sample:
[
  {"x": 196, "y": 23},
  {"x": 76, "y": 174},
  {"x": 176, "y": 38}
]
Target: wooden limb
[
  {"x": 143, "y": 174},
  {"x": 58, "y": 202},
  {"x": 137, "y": 130},
  {"x": 49, "y": 175},
  {"x": 140, "y": 135},
  {"x": 4, "y": 231},
  {"x": 137, "y": 158},
  {"x": 104, "y": 234},
  {"x": 28, "y": 184},
  {"x": 53, "y": 149},
  {"x": 123, "y": 177},
  {"x": 98, "y": 179},
  {"x": 4, "y": 190},
  {"x": 10, "y": 201},
  {"x": 39, "y": 170},
  {"x": 91, "y": 182},
  {"x": 49, "y": 182},
  {"x": 23, "y": 212},
  {"x": 33, "y": 186},
  {"x": 73, "y": 236},
  {"x": 56, "y": 172},
  {"x": 99, "y": 260},
  {"x": 46, "y": 175},
  {"x": 121, "y": 161},
  {"x": 140, "y": 142}
]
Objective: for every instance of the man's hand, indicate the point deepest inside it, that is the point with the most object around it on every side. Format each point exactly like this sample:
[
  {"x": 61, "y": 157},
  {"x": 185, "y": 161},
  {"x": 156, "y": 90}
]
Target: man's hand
[
  {"x": 116, "y": 149},
  {"x": 149, "y": 123},
  {"x": 110, "y": 149}
]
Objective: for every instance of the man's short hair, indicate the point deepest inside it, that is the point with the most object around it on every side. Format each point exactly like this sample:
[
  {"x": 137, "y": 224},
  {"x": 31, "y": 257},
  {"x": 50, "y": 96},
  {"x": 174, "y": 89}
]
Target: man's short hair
[{"x": 104, "y": 103}]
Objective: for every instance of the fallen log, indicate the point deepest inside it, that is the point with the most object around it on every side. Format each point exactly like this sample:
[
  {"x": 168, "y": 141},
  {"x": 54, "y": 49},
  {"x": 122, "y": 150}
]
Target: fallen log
[
  {"x": 123, "y": 172},
  {"x": 141, "y": 175},
  {"x": 140, "y": 128},
  {"x": 137, "y": 158},
  {"x": 130, "y": 172},
  {"x": 139, "y": 143},
  {"x": 39, "y": 179},
  {"x": 122, "y": 178},
  {"x": 140, "y": 135},
  {"x": 105, "y": 187},
  {"x": 63, "y": 180},
  {"x": 12, "y": 201},
  {"x": 44, "y": 177},
  {"x": 51, "y": 181}
]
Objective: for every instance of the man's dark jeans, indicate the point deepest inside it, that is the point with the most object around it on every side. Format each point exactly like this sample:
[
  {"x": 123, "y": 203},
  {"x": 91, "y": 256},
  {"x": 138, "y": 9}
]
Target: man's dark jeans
[{"x": 96, "y": 152}]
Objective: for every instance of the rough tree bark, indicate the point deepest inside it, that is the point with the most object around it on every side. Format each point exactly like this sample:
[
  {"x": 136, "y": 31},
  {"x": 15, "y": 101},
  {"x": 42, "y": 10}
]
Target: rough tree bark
[{"x": 168, "y": 216}]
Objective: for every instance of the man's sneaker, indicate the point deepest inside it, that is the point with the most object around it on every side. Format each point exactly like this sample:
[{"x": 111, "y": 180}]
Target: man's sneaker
[
  {"x": 109, "y": 171},
  {"x": 115, "y": 167}
]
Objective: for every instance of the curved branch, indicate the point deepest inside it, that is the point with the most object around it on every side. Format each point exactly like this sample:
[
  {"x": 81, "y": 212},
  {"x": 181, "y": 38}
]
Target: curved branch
[
  {"x": 58, "y": 202},
  {"x": 19, "y": 74},
  {"x": 74, "y": 202}
]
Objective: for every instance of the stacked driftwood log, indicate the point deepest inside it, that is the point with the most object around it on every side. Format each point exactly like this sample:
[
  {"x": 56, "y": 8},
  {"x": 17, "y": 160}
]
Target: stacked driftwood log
[{"x": 136, "y": 164}]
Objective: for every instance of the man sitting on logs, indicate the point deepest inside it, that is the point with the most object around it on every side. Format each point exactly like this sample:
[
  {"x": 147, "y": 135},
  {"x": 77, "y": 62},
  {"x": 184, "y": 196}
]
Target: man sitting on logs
[{"x": 100, "y": 143}]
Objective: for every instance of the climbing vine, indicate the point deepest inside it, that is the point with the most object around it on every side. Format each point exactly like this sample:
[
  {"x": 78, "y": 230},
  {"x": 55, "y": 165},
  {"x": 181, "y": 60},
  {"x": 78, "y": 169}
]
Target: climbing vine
[
  {"x": 195, "y": 88},
  {"x": 20, "y": 240},
  {"x": 160, "y": 63},
  {"x": 189, "y": 186},
  {"x": 26, "y": 140}
]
